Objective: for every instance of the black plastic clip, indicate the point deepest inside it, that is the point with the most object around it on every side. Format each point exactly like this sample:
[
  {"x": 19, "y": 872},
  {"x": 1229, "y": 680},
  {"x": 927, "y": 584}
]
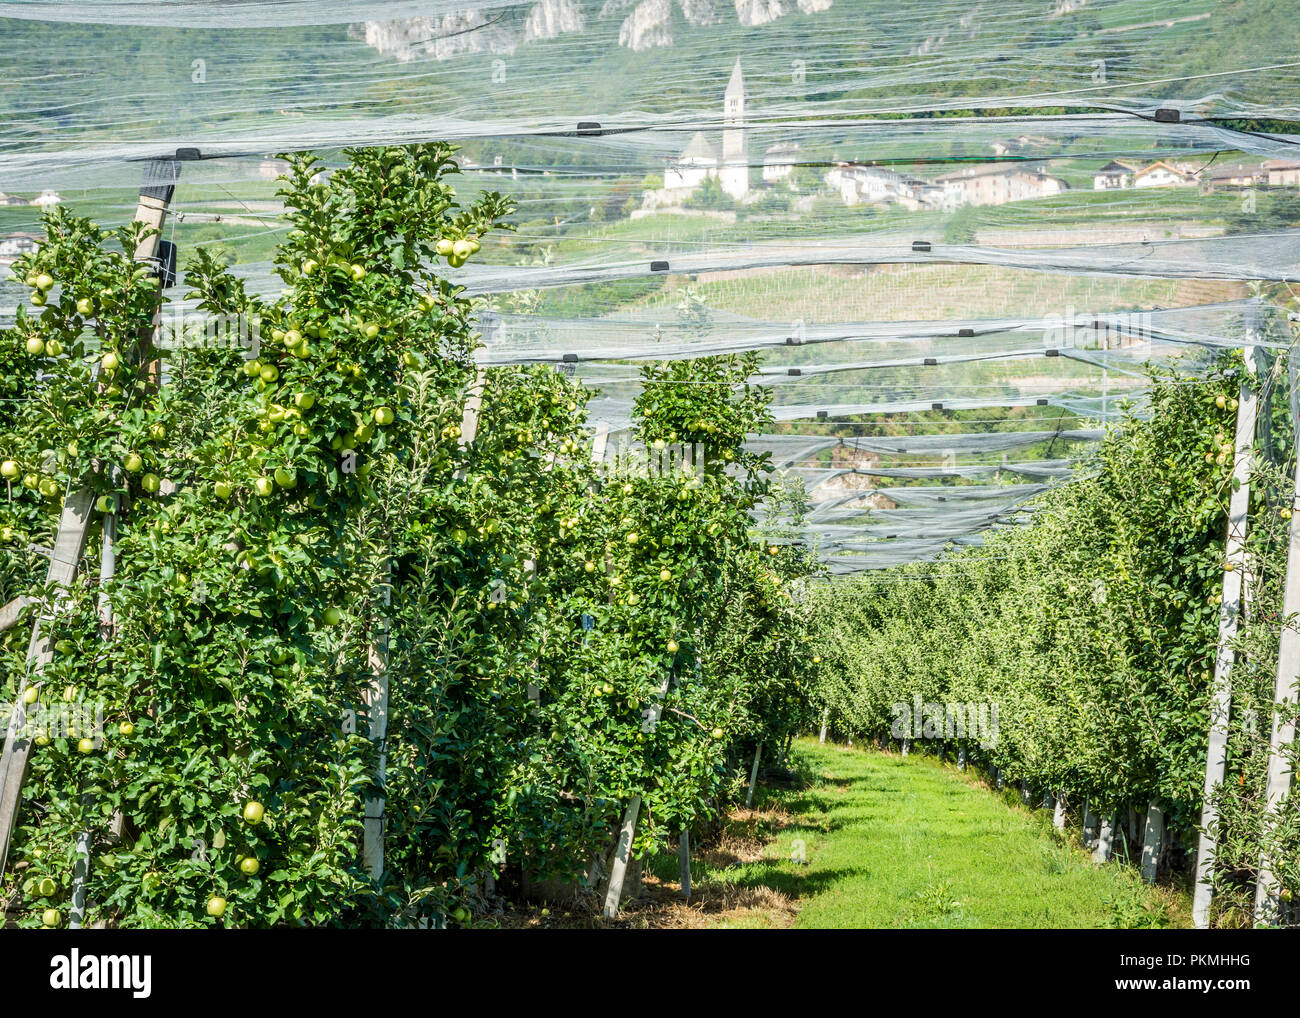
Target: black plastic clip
[
  {"x": 1052, "y": 352},
  {"x": 966, "y": 333},
  {"x": 569, "y": 358},
  {"x": 1040, "y": 402},
  {"x": 920, "y": 245},
  {"x": 793, "y": 371},
  {"x": 931, "y": 362},
  {"x": 936, "y": 406},
  {"x": 658, "y": 266},
  {"x": 1165, "y": 115},
  {"x": 589, "y": 128}
]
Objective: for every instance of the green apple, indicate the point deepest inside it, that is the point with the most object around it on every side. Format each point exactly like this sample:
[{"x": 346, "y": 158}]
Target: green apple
[
  {"x": 53, "y": 348},
  {"x": 665, "y": 575},
  {"x": 304, "y": 400},
  {"x": 370, "y": 331},
  {"x": 38, "y": 298},
  {"x": 332, "y": 616},
  {"x": 51, "y": 918},
  {"x": 285, "y": 477},
  {"x": 264, "y": 486},
  {"x": 31, "y": 694},
  {"x": 157, "y": 432},
  {"x": 9, "y": 470},
  {"x": 223, "y": 489},
  {"x": 632, "y": 538},
  {"x": 358, "y": 272},
  {"x": 252, "y": 367},
  {"x": 109, "y": 362},
  {"x": 310, "y": 266},
  {"x": 384, "y": 415},
  {"x": 35, "y": 346},
  {"x": 49, "y": 487},
  {"x": 44, "y": 281},
  {"x": 216, "y": 906},
  {"x": 254, "y": 811},
  {"x": 444, "y": 247},
  {"x": 718, "y": 733},
  {"x": 151, "y": 483},
  {"x": 269, "y": 373},
  {"x": 462, "y": 249},
  {"x": 607, "y": 688},
  {"x": 672, "y": 646},
  {"x": 86, "y": 746},
  {"x": 126, "y": 728},
  {"x": 132, "y": 463},
  {"x": 85, "y": 306},
  {"x": 249, "y": 866},
  {"x": 104, "y": 504}
]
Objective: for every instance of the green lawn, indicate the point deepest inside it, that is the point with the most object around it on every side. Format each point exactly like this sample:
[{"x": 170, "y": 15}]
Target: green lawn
[{"x": 893, "y": 842}]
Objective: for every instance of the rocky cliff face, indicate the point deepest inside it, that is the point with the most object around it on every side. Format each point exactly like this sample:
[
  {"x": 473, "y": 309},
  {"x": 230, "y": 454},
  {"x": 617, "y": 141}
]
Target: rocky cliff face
[
  {"x": 646, "y": 24},
  {"x": 550, "y": 18}
]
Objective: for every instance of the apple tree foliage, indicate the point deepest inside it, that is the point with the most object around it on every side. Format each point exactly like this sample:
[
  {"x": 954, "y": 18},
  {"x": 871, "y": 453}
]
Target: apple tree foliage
[
  {"x": 301, "y": 520},
  {"x": 1094, "y": 625}
]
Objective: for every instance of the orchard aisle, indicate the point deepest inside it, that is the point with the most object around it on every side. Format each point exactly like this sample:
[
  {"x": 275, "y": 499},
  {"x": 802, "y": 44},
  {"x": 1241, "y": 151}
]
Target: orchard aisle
[{"x": 893, "y": 842}]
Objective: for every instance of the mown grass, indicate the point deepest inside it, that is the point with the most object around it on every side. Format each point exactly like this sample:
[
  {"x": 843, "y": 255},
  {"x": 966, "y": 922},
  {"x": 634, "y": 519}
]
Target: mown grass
[{"x": 910, "y": 843}]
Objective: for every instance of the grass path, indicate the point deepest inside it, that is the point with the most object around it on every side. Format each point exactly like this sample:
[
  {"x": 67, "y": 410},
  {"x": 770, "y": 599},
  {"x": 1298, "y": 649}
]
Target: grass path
[{"x": 894, "y": 842}]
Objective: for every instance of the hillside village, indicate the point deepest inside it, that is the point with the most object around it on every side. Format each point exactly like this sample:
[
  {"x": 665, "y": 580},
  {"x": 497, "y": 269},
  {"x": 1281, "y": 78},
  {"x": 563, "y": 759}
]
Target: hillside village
[
  {"x": 867, "y": 183},
  {"x": 716, "y": 174}
]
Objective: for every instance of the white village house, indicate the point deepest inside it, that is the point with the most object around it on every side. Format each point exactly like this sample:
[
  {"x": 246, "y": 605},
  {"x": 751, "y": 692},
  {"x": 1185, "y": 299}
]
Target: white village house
[
  {"x": 1163, "y": 174},
  {"x": 1114, "y": 176},
  {"x": 15, "y": 245},
  {"x": 779, "y": 162},
  {"x": 995, "y": 184},
  {"x": 47, "y": 198}
]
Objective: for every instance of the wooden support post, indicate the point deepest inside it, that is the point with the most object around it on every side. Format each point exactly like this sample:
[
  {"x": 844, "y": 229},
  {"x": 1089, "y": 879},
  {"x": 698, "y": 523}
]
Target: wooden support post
[
  {"x": 74, "y": 524},
  {"x": 684, "y": 860},
  {"x": 753, "y": 776},
  {"x": 618, "y": 872},
  {"x": 1282, "y": 732},
  {"x": 1106, "y": 837},
  {"x": 961, "y": 757},
  {"x": 1152, "y": 842},
  {"x": 826, "y": 717},
  {"x": 623, "y": 851},
  {"x": 907, "y": 745},
  {"x": 13, "y": 611},
  {"x": 1216, "y": 757},
  {"x": 1026, "y": 793},
  {"x": 1058, "y": 811}
]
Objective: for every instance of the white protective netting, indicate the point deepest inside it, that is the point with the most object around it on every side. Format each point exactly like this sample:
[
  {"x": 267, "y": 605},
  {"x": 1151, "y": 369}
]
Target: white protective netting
[{"x": 956, "y": 234}]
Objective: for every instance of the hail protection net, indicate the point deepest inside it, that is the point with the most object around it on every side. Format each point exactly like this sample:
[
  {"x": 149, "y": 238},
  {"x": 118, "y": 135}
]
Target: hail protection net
[{"x": 957, "y": 234}]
